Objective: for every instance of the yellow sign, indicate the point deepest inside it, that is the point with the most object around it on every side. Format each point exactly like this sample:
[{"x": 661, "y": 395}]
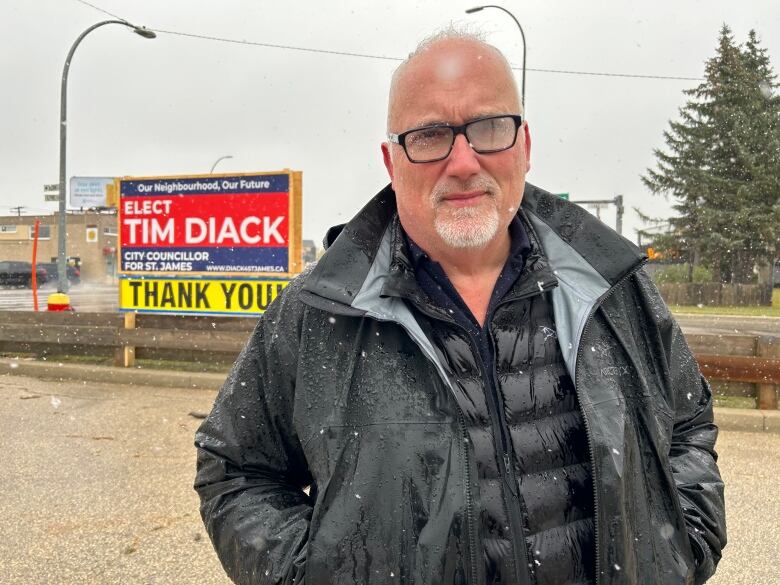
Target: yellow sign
[{"x": 198, "y": 296}]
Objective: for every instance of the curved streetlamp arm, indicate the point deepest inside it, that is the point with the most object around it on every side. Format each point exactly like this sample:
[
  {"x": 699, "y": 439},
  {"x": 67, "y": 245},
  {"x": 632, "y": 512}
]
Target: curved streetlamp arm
[
  {"x": 216, "y": 162},
  {"x": 62, "y": 278},
  {"x": 522, "y": 35}
]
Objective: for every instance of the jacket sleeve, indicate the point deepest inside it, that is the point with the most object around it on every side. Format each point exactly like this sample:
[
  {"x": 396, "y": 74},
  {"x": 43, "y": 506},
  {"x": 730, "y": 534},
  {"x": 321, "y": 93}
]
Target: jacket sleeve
[
  {"x": 251, "y": 470},
  {"x": 692, "y": 451}
]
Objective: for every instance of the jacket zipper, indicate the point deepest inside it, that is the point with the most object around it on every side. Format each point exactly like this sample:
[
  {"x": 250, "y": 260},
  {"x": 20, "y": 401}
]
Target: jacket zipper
[
  {"x": 469, "y": 497},
  {"x": 503, "y": 447},
  {"x": 588, "y": 432}
]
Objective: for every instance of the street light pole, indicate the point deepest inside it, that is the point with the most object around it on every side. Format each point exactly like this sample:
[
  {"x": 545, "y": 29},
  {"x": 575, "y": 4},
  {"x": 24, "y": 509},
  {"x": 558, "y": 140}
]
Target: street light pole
[
  {"x": 217, "y": 162},
  {"x": 62, "y": 276},
  {"x": 522, "y": 35}
]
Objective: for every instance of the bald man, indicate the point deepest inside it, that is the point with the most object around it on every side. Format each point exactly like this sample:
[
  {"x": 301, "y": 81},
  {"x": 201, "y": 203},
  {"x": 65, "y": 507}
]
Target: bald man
[{"x": 476, "y": 384}]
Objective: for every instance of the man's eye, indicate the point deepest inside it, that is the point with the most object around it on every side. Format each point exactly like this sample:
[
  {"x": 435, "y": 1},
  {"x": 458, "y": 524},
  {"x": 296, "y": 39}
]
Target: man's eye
[{"x": 428, "y": 135}]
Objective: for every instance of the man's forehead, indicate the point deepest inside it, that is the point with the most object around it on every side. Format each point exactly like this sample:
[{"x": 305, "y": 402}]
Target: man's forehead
[
  {"x": 419, "y": 96},
  {"x": 449, "y": 60}
]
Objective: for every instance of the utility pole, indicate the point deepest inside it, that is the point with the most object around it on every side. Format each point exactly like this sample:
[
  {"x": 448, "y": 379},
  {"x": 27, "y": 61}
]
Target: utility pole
[
  {"x": 18, "y": 210},
  {"x": 619, "y": 209}
]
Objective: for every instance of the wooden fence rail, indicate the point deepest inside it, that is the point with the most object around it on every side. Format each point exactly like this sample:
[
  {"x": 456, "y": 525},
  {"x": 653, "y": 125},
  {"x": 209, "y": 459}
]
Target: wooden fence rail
[
  {"x": 746, "y": 359},
  {"x": 715, "y": 294}
]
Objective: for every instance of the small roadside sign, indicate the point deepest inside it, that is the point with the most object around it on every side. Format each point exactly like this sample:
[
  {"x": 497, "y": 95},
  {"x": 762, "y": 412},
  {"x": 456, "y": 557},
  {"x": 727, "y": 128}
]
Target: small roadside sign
[{"x": 51, "y": 192}]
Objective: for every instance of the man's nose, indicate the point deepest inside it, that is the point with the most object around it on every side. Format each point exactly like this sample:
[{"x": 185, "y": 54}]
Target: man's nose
[{"x": 462, "y": 162}]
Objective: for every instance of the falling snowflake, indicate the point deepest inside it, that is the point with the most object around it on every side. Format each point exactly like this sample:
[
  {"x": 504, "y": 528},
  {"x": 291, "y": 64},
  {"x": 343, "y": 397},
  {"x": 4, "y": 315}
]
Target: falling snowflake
[{"x": 667, "y": 531}]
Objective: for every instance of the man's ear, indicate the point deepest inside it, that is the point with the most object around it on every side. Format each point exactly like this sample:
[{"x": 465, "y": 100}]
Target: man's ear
[
  {"x": 527, "y": 137},
  {"x": 388, "y": 159}
]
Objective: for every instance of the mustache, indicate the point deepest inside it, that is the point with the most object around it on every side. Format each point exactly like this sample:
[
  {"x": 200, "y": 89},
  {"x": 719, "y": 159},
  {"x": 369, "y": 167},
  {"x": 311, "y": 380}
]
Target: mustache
[{"x": 477, "y": 183}]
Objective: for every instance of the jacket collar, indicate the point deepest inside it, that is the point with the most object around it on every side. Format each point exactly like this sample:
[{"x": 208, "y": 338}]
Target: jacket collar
[
  {"x": 606, "y": 251},
  {"x": 352, "y": 248}
]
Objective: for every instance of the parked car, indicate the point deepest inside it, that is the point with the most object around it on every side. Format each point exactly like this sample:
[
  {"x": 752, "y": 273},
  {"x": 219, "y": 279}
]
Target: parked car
[
  {"x": 16, "y": 273},
  {"x": 74, "y": 273}
]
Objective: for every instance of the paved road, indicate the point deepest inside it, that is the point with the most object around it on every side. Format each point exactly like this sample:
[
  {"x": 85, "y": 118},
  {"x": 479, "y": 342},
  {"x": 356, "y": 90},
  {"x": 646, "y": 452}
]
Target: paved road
[
  {"x": 96, "y": 488},
  {"x": 729, "y": 324},
  {"x": 85, "y": 296}
]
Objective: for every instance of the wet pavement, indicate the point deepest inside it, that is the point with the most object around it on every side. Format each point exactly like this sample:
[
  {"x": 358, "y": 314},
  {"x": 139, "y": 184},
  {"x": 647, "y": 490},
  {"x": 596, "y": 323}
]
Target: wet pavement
[
  {"x": 728, "y": 324},
  {"x": 96, "y": 488},
  {"x": 97, "y": 485},
  {"x": 750, "y": 464},
  {"x": 90, "y": 297}
]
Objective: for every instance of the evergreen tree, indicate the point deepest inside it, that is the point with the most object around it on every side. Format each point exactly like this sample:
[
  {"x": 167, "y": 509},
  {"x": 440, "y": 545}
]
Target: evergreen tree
[{"x": 722, "y": 166}]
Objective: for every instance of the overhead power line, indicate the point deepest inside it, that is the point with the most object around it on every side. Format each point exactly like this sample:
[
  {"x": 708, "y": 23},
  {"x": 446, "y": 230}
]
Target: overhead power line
[
  {"x": 274, "y": 46},
  {"x": 99, "y": 9},
  {"x": 386, "y": 58}
]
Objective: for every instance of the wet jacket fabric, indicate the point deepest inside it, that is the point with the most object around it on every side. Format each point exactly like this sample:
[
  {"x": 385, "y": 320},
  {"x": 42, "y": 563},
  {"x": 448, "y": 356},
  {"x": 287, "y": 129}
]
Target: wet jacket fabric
[
  {"x": 518, "y": 371},
  {"x": 340, "y": 389}
]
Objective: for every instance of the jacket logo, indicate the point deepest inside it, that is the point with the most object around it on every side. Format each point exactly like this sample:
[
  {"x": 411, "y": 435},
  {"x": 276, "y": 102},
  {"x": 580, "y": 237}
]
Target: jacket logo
[{"x": 615, "y": 371}]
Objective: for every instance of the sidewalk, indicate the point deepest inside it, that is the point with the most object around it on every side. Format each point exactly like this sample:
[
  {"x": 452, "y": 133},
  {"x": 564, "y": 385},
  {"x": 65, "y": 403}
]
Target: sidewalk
[{"x": 728, "y": 419}]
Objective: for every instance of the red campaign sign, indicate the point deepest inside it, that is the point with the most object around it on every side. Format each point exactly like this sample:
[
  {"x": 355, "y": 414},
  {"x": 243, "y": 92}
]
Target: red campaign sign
[{"x": 197, "y": 221}]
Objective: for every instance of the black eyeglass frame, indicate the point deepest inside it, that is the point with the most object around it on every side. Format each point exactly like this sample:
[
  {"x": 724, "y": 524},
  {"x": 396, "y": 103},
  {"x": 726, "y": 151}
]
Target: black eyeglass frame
[{"x": 400, "y": 139}]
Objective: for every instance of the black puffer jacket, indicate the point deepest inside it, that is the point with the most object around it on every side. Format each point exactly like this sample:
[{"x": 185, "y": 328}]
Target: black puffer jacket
[
  {"x": 524, "y": 422},
  {"x": 340, "y": 389}
]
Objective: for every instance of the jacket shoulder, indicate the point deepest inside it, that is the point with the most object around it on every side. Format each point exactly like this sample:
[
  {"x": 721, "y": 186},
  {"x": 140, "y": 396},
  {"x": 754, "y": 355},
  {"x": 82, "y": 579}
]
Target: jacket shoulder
[{"x": 606, "y": 251}]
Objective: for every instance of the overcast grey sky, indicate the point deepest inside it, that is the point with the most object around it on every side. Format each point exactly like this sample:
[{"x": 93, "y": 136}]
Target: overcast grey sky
[{"x": 175, "y": 104}]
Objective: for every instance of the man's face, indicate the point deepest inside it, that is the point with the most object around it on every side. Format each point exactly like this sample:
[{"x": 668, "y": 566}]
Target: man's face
[{"x": 467, "y": 199}]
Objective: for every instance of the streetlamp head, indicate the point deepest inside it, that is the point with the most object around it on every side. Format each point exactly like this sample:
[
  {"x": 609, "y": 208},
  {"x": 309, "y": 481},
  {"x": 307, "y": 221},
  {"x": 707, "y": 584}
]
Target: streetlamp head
[
  {"x": 473, "y": 10},
  {"x": 144, "y": 32}
]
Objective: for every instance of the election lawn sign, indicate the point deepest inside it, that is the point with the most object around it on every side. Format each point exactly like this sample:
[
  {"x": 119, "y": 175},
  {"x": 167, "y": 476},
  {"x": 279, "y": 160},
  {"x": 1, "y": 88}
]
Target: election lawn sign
[{"x": 207, "y": 244}]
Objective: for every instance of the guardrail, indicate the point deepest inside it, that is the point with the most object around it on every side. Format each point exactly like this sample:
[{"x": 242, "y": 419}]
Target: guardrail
[
  {"x": 735, "y": 359},
  {"x": 216, "y": 340},
  {"x": 752, "y": 359}
]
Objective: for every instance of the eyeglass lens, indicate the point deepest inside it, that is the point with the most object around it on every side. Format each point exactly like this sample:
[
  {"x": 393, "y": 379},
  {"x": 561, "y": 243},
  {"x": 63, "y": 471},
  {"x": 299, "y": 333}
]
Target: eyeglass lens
[{"x": 490, "y": 135}]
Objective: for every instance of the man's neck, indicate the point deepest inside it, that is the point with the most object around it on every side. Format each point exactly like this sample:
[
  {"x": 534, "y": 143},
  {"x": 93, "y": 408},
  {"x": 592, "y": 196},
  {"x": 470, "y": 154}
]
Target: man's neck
[
  {"x": 474, "y": 264},
  {"x": 473, "y": 271}
]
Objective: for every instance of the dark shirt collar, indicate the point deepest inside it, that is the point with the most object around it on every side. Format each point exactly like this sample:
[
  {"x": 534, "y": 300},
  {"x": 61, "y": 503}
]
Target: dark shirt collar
[
  {"x": 434, "y": 282},
  {"x": 519, "y": 249}
]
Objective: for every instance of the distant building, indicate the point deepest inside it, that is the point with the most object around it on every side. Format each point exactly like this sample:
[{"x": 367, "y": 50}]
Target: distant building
[
  {"x": 309, "y": 252},
  {"x": 91, "y": 241}
]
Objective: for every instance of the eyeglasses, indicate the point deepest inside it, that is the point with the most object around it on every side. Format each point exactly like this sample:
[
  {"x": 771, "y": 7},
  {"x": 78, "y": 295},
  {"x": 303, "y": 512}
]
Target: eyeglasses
[{"x": 433, "y": 143}]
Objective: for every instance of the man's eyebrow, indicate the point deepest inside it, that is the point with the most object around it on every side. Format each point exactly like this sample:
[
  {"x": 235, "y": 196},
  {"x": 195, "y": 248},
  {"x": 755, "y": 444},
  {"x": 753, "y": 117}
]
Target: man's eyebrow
[{"x": 427, "y": 123}]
